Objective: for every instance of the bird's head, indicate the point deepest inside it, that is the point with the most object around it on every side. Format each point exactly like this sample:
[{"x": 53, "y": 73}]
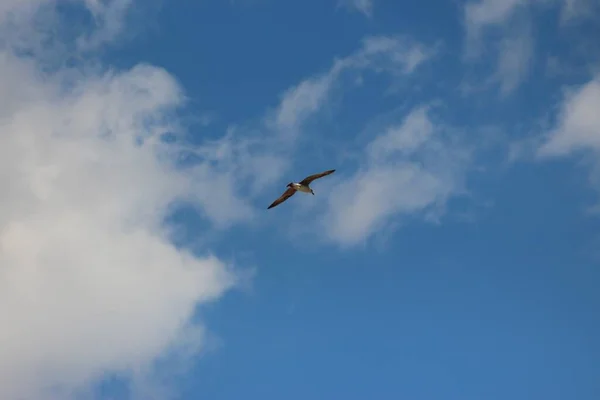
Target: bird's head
[{"x": 290, "y": 184}]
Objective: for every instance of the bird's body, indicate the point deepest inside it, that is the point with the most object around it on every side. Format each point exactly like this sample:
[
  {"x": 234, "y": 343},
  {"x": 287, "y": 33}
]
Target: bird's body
[{"x": 302, "y": 186}]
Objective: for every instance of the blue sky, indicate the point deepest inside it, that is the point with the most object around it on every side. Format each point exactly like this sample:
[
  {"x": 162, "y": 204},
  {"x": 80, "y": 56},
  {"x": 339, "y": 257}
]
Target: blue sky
[{"x": 452, "y": 255}]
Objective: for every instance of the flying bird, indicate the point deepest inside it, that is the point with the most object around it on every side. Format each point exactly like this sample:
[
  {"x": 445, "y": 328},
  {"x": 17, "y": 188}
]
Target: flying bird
[{"x": 302, "y": 186}]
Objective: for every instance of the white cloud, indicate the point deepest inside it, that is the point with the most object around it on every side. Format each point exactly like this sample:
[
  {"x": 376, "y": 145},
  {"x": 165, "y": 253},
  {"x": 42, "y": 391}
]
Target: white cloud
[
  {"x": 577, "y": 131},
  {"x": 485, "y": 13},
  {"x": 575, "y": 10},
  {"x": 363, "y": 6},
  {"x": 39, "y": 27},
  {"x": 512, "y": 22},
  {"x": 109, "y": 17},
  {"x": 578, "y": 126},
  {"x": 406, "y": 138},
  {"x": 410, "y": 168},
  {"x": 14, "y": 7},
  {"x": 482, "y": 15},
  {"x": 488, "y": 12},
  {"x": 479, "y": 15},
  {"x": 516, "y": 43},
  {"x": 397, "y": 55},
  {"x": 90, "y": 282},
  {"x": 514, "y": 60},
  {"x": 300, "y": 102}
]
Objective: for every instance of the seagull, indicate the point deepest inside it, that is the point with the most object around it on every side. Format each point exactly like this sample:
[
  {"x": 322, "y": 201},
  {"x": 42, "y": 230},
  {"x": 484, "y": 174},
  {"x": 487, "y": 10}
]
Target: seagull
[{"x": 302, "y": 186}]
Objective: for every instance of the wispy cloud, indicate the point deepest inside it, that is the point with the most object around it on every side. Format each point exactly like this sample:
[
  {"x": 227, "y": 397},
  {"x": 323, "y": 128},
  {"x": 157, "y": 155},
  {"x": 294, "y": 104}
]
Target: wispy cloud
[
  {"x": 578, "y": 127},
  {"x": 412, "y": 167},
  {"x": 512, "y": 25},
  {"x": 516, "y": 44},
  {"x": 577, "y": 132},
  {"x": 514, "y": 59},
  {"x": 109, "y": 18},
  {"x": 363, "y": 6},
  {"x": 302, "y": 101},
  {"x": 479, "y": 15},
  {"x": 393, "y": 54},
  {"x": 575, "y": 10}
]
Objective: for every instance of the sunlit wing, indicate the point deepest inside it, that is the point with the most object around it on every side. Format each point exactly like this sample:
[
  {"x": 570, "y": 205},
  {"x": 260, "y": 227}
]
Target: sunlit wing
[
  {"x": 309, "y": 179},
  {"x": 286, "y": 195}
]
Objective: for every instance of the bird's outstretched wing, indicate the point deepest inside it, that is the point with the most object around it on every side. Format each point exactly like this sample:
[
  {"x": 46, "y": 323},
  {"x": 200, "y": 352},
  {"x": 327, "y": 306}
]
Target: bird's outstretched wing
[
  {"x": 286, "y": 195},
  {"x": 309, "y": 179}
]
